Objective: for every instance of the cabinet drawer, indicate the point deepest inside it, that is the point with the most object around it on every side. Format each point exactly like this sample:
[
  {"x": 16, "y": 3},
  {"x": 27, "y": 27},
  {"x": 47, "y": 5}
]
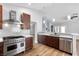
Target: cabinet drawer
[{"x": 55, "y": 40}]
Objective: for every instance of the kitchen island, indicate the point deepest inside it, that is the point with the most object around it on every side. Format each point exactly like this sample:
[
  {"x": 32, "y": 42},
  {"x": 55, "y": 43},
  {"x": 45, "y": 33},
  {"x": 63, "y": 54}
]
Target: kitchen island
[{"x": 61, "y": 41}]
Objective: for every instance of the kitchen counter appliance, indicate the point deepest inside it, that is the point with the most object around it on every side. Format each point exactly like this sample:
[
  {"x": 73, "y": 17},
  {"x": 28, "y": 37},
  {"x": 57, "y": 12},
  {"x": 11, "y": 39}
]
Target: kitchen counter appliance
[
  {"x": 65, "y": 44},
  {"x": 14, "y": 45}
]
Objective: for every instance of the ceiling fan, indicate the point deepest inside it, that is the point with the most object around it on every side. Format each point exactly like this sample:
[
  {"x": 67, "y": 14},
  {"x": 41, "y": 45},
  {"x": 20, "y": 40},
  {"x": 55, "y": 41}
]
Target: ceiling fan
[{"x": 73, "y": 16}]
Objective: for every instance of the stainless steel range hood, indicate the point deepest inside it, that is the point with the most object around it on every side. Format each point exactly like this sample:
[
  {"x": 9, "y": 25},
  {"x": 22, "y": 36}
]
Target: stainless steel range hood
[
  {"x": 11, "y": 21},
  {"x": 12, "y": 18}
]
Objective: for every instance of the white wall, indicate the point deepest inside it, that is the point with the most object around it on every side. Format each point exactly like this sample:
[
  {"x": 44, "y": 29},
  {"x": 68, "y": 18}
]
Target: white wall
[{"x": 72, "y": 27}]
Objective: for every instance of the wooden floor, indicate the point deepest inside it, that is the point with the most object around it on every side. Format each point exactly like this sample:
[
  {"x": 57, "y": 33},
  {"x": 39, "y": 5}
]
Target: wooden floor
[{"x": 43, "y": 50}]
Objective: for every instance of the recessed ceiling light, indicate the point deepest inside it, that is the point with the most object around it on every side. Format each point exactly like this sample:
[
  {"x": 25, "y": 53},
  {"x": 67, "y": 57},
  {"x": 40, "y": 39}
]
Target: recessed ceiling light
[
  {"x": 69, "y": 17},
  {"x": 44, "y": 21},
  {"x": 18, "y": 25},
  {"x": 53, "y": 20},
  {"x": 6, "y": 25}
]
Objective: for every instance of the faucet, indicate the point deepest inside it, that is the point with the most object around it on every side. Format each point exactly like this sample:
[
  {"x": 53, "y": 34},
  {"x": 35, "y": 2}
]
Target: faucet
[{"x": 55, "y": 33}]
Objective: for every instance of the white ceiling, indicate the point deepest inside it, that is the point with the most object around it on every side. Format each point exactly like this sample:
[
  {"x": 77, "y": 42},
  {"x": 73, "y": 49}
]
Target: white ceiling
[
  {"x": 36, "y": 6},
  {"x": 45, "y": 6}
]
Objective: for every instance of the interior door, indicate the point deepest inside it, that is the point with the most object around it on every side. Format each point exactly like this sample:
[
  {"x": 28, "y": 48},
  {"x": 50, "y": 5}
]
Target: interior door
[{"x": 33, "y": 30}]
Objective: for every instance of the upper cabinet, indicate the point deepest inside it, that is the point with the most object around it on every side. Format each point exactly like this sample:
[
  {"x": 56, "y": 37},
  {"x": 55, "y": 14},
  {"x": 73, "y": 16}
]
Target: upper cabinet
[
  {"x": 1, "y": 17},
  {"x": 25, "y": 18}
]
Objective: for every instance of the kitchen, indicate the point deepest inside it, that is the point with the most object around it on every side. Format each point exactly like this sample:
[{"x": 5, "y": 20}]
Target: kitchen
[{"x": 18, "y": 35}]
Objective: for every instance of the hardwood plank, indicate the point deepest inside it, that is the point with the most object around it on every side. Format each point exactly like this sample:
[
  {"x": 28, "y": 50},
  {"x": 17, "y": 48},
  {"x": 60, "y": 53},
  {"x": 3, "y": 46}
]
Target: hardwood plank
[{"x": 43, "y": 50}]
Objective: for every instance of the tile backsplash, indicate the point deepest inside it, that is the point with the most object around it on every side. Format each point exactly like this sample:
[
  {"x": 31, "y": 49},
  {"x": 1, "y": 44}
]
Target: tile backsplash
[
  {"x": 9, "y": 33},
  {"x": 13, "y": 30}
]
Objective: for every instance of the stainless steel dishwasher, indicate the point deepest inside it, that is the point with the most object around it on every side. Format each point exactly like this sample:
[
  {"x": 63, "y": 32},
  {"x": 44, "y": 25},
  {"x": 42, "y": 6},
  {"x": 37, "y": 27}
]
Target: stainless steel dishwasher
[{"x": 65, "y": 44}]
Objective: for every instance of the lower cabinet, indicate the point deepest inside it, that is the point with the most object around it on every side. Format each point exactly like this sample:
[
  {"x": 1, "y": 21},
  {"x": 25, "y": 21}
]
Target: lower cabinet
[
  {"x": 29, "y": 43},
  {"x": 49, "y": 40},
  {"x": 63, "y": 44},
  {"x": 41, "y": 39},
  {"x": 53, "y": 42},
  {"x": 1, "y": 48}
]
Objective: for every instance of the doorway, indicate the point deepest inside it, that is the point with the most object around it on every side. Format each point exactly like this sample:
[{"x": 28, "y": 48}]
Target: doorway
[{"x": 33, "y": 31}]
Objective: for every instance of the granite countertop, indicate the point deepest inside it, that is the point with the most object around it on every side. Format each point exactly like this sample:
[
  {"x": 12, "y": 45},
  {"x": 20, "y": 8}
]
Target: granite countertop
[
  {"x": 28, "y": 36},
  {"x": 64, "y": 35},
  {"x": 1, "y": 40}
]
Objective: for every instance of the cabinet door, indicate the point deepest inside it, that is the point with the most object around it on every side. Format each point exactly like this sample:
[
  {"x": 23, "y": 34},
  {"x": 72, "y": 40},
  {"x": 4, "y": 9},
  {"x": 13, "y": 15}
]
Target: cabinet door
[
  {"x": 41, "y": 39},
  {"x": 1, "y": 48},
  {"x": 29, "y": 43},
  {"x": 25, "y": 18},
  {"x": 1, "y": 17},
  {"x": 48, "y": 40},
  {"x": 54, "y": 42}
]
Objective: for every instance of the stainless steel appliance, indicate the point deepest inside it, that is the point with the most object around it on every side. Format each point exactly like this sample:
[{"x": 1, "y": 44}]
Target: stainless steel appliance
[
  {"x": 65, "y": 44},
  {"x": 14, "y": 45},
  {"x": 12, "y": 18}
]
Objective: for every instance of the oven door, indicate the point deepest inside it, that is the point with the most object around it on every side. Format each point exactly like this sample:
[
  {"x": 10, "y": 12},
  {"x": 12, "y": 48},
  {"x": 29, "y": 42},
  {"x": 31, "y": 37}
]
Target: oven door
[
  {"x": 21, "y": 47},
  {"x": 10, "y": 49}
]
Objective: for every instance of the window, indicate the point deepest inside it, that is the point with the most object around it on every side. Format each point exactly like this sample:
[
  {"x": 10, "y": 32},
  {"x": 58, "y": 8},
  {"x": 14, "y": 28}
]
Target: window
[
  {"x": 57, "y": 29},
  {"x": 62, "y": 29},
  {"x": 52, "y": 28}
]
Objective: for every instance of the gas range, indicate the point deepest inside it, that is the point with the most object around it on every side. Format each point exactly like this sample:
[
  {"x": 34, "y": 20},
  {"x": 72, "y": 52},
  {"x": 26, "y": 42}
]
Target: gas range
[
  {"x": 14, "y": 45},
  {"x": 13, "y": 39}
]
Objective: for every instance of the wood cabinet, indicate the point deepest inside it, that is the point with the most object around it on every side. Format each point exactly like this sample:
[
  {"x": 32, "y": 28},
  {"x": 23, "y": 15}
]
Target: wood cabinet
[
  {"x": 41, "y": 39},
  {"x": 29, "y": 43},
  {"x": 1, "y": 48},
  {"x": 54, "y": 42},
  {"x": 1, "y": 22},
  {"x": 62, "y": 44},
  {"x": 25, "y": 18},
  {"x": 49, "y": 40}
]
